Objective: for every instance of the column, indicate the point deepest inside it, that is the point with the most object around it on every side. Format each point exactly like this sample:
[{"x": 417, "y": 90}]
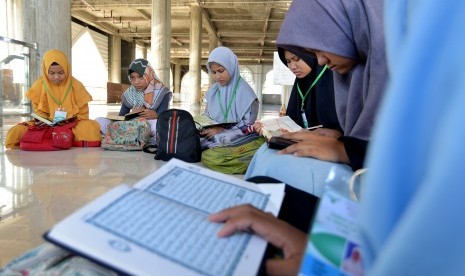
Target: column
[
  {"x": 49, "y": 24},
  {"x": 161, "y": 38},
  {"x": 144, "y": 53},
  {"x": 128, "y": 54},
  {"x": 195, "y": 51},
  {"x": 259, "y": 86},
  {"x": 212, "y": 44},
  {"x": 177, "y": 78},
  {"x": 115, "y": 52}
]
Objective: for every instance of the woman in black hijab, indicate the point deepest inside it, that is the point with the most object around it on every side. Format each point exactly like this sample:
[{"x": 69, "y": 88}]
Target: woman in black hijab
[{"x": 311, "y": 102}]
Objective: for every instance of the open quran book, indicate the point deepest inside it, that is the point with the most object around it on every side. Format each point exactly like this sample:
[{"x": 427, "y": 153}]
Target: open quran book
[
  {"x": 203, "y": 122},
  {"x": 274, "y": 126},
  {"x": 160, "y": 226},
  {"x": 49, "y": 122},
  {"x": 126, "y": 117}
]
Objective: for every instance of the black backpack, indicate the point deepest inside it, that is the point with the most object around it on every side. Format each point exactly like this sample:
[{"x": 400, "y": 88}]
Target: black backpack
[{"x": 177, "y": 136}]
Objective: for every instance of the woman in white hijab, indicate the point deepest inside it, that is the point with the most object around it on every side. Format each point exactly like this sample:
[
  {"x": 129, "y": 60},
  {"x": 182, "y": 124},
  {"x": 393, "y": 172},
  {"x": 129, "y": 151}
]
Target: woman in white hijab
[{"x": 229, "y": 100}]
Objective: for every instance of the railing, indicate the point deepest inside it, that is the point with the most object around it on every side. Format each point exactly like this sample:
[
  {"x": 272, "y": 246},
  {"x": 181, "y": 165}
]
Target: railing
[{"x": 18, "y": 69}]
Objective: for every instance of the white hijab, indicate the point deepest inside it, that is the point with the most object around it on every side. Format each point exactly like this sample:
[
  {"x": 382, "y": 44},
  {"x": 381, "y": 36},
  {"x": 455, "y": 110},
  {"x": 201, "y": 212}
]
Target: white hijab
[{"x": 244, "y": 94}]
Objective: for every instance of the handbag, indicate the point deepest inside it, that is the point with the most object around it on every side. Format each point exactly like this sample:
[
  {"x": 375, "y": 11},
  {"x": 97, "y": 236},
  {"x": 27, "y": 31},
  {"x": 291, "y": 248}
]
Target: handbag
[
  {"x": 127, "y": 135},
  {"x": 46, "y": 138}
]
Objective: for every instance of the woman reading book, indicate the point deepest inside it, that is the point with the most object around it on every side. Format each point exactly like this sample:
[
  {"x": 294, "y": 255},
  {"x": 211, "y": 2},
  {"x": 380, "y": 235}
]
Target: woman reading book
[
  {"x": 354, "y": 51},
  {"x": 311, "y": 102},
  {"x": 147, "y": 95},
  {"x": 57, "y": 95},
  {"x": 230, "y": 99}
]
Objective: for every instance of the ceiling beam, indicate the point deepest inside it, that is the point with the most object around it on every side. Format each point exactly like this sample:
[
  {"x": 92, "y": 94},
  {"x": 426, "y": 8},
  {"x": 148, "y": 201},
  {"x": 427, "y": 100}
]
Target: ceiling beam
[
  {"x": 243, "y": 4},
  {"x": 144, "y": 14},
  {"x": 208, "y": 24},
  {"x": 91, "y": 21},
  {"x": 244, "y": 19},
  {"x": 244, "y": 34},
  {"x": 265, "y": 27}
]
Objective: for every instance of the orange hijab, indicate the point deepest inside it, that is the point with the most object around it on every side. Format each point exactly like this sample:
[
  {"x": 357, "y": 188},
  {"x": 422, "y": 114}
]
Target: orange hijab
[{"x": 71, "y": 95}]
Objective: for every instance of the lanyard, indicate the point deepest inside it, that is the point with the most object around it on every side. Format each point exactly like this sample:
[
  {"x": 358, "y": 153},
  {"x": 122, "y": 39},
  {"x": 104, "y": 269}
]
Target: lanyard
[
  {"x": 55, "y": 99},
  {"x": 303, "y": 97},
  {"x": 225, "y": 114}
]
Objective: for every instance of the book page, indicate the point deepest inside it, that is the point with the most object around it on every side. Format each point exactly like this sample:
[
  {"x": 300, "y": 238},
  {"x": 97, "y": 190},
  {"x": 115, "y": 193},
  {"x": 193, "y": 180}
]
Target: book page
[
  {"x": 115, "y": 117},
  {"x": 48, "y": 122},
  {"x": 273, "y": 126},
  {"x": 125, "y": 117},
  {"x": 42, "y": 119},
  {"x": 203, "y": 121},
  {"x": 162, "y": 223}
]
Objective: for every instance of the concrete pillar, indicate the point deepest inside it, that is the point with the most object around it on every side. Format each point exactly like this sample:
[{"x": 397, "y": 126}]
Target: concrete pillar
[
  {"x": 13, "y": 15},
  {"x": 259, "y": 82},
  {"x": 115, "y": 51},
  {"x": 144, "y": 52},
  {"x": 128, "y": 54},
  {"x": 259, "y": 86},
  {"x": 161, "y": 39},
  {"x": 177, "y": 78},
  {"x": 195, "y": 51},
  {"x": 212, "y": 44},
  {"x": 49, "y": 24}
]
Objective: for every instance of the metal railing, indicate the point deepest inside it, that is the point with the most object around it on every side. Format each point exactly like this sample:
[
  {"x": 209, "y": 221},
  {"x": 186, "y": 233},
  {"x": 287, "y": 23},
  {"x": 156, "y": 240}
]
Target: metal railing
[{"x": 18, "y": 70}]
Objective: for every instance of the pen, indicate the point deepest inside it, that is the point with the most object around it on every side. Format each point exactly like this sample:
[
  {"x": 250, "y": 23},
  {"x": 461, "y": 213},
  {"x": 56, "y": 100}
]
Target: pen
[{"x": 314, "y": 127}]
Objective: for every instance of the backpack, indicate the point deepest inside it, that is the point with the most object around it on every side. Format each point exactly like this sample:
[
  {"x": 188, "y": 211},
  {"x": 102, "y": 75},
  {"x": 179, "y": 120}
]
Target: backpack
[
  {"x": 127, "y": 135},
  {"x": 233, "y": 159},
  {"x": 177, "y": 136}
]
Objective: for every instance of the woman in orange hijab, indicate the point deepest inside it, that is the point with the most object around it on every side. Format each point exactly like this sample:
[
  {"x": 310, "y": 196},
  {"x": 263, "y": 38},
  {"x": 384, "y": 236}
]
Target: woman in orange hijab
[{"x": 57, "y": 93}]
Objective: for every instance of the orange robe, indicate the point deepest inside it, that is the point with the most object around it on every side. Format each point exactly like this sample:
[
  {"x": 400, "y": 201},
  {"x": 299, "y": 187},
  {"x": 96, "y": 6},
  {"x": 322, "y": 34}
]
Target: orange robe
[{"x": 46, "y": 97}]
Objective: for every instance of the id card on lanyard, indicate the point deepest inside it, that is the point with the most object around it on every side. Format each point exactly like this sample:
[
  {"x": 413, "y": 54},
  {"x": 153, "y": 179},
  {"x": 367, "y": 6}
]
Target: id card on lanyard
[
  {"x": 303, "y": 97},
  {"x": 60, "y": 112},
  {"x": 226, "y": 113}
]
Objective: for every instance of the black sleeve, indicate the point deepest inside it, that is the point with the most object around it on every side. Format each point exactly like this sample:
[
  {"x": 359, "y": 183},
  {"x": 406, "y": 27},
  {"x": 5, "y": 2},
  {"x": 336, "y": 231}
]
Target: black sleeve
[
  {"x": 356, "y": 151},
  {"x": 124, "y": 109}
]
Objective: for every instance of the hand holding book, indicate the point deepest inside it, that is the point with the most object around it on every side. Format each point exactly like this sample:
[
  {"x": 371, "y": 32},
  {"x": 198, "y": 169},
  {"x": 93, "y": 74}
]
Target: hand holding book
[
  {"x": 277, "y": 126},
  {"x": 204, "y": 122},
  {"x": 41, "y": 120},
  {"x": 277, "y": 232},
  {"x": 162, "y": 222},
  {"x": 129, "y": 116}
]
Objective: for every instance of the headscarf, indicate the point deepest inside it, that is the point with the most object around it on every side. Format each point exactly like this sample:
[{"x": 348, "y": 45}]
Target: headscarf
[
  {"x": 244, "y": 94},
  {"x": 352, "y": 29},
  {"x": 46, "y": 96},
  {"x": 153, "y": 95},
  {"x": 411, "y": 211},
  {"x": 319, "y": 104}
]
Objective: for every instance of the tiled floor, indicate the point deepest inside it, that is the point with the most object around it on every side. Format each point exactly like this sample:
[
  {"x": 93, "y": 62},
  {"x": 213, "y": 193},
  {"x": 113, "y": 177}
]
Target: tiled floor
[{"x": 37, "y": 189}]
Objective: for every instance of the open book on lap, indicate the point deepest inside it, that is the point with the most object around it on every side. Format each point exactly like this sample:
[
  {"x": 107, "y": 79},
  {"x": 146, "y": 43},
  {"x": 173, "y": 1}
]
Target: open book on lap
[
  {"x": 203, "y": 122},
  {"x": 160, "y": 225},
  {"x": 47, "y": 121},
  {"x": 274, "y": 126},
  {"x": 126, "y": 117}
]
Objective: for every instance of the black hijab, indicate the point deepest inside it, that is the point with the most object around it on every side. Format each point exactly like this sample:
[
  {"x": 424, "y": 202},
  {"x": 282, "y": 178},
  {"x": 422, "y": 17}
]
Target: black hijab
[
  {"x": 319, "y": 105},
  {"x": 352, "y": 29}
]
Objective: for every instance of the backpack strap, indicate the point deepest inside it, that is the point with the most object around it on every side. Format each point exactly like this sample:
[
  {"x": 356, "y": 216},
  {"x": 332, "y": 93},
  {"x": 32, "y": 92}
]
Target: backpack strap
[{"x": 152, "y": 149}]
